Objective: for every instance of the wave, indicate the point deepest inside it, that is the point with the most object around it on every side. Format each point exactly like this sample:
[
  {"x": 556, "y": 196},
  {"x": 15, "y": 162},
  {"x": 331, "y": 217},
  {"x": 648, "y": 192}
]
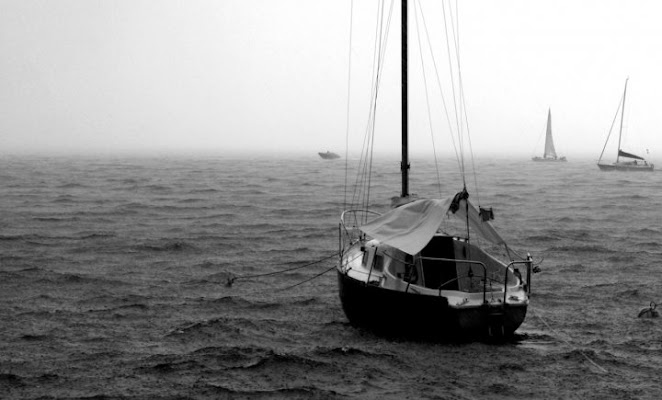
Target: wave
[
  {"x": 541, "y": 238},
  {"x": 70, "y": 278},
  {"x": 603, "y": 285},
  {"x": 71, "y": 185},
  {"x": 113, "y": 301},
  {"x": 288, "y": 392},
  {"x": 10, "y": 380},
  {"x": 35, "y": 338},
  {"x": 96, "y": 235},
  {"x": 66, "y": 198},
  {"x": 56, "y": 219},
  {"x": 573, "y": 268},
  {"x": 169, "y": 246},
  {"x": 348, "y": 351},
  {"x": 628, "y": 293},
  {"x": 582, "y": 249},
  {"x": 13, "y": 237},
  {"x": 619, "y": 258},
  {"x": 270, "y": 359},
  {"x": 248, "y": 370},
  {"x": 651, "y": 245},
  {"x": 220, "y": 325},
  {"x": 205, "y": 191},
  {"x": 36, "y": 238}
]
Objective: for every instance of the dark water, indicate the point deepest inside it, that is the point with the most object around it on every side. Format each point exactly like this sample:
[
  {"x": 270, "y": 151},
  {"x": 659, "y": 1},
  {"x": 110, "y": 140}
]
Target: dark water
[{"x": 113, "y": 272}]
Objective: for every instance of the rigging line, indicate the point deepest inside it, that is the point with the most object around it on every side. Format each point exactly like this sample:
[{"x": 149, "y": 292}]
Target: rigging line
[
  {"x": 349, "y": 87},
  {"x": 308, "y": 280},
  {"x": 427, "y": 96},
  {"x": 380, "y": 52},
  {"x": 441, "y": 91},
  {"x": 362, "y": 169},
  {"x": 381, "y": 56},
  {"x": 456, "y": 36},
  {"x": 361, "y": 166},
  {"x": 366, "y": 155},
  {"x": 458, "y": 147},
  {"x": 369, "y": 133},
  {"x": 457, "y": 120},
  {"x": 620, "y": 104},
  {"x": 626, "y": 126},
  {"x": 358, "y": 180},
  {"x": 567, "y": 342},
  {"x": 510, "y": 250},
  {"x": 473, "y": 159},
  {"x": 456, "y": 45},
  {"x": 374, "y": 115}
]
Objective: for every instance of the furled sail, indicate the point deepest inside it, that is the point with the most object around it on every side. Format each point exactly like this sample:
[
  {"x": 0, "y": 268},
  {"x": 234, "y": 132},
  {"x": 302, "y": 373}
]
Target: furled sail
[
  {"x": 550, "y": 152},
  {"x": 621, "y": 153}
]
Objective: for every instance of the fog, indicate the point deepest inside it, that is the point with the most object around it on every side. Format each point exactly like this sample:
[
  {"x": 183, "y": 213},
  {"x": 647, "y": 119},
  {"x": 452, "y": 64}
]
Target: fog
[{"x": 105, "y": 77}]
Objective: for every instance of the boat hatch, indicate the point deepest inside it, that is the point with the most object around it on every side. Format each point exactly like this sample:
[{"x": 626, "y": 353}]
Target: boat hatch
[{"x": 438, "y": 273}]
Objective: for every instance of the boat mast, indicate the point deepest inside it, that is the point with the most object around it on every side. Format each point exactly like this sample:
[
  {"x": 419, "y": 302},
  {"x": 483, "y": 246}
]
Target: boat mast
[
  {"x": 404, "y": 164},
  {"x": 620, "y": 131}
]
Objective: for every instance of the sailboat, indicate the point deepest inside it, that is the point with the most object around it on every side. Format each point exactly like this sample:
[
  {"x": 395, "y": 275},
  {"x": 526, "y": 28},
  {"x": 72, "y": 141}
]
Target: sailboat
[
  {"x": 404, "y": 272},
  {"x": 630, "y": 162},
  {"x": 550, "y": 152}
]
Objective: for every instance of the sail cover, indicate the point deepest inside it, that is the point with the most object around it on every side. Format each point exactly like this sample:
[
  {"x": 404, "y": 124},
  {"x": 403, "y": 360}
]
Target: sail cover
[
  {"x": 412, "y": 226},
  {"x": 621, "y": 153},
  {"x": 550, "y": 152}
]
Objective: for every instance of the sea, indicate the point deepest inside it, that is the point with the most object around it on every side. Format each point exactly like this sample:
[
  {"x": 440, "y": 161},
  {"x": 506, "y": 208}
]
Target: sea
[{"x": 212, "y": 277}]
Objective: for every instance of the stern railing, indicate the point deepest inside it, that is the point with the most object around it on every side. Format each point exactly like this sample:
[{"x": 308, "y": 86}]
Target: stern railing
[
  {"x": 350, "y": 220},
  {"x": 510, "y": 267}
]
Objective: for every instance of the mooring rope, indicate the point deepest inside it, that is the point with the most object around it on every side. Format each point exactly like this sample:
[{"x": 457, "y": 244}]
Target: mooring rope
[
  {"x": 309, "y": 279},
  {"x": 568, "y": 343},
  {"x": 232, "y": 279}
]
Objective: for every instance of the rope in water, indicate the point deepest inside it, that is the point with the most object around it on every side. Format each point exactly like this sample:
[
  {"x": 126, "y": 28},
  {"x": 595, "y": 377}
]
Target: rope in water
[
  {"x": 309, "y": 279},
  {"x": 231, "y": 280},
  {"x": 568, "y": 343}
]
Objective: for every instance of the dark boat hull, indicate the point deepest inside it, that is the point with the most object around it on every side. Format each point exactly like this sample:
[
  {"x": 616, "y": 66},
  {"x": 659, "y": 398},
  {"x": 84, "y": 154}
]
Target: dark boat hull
[{"x": 413, "y": 315}]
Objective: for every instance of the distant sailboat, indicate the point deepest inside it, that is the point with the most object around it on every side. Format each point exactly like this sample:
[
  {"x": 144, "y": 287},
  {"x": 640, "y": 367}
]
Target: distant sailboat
[
  {"x": 631, "y": 163},
  {"x": 550, "y": 152},
  {"x": 329, "y": 155}
]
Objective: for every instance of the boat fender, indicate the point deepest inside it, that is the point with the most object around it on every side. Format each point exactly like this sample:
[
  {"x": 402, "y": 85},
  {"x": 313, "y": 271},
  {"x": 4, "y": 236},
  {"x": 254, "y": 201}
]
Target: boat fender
[{"x": 649, "y": 312}]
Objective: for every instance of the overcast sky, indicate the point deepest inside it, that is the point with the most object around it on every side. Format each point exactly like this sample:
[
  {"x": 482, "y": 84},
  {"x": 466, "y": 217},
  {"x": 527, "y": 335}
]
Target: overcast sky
[{"x": 108, "y": 76}]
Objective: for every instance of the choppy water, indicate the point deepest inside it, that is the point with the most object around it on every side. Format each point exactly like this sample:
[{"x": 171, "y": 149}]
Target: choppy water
[{"x": 113, "y": 272}]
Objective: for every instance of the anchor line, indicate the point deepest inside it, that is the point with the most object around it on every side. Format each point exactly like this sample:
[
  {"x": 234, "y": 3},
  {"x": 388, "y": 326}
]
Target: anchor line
[
  {"x": 309, "y": 279},
  {"x": 231, "y": 280},
  {"x": 568, "y": 343}
]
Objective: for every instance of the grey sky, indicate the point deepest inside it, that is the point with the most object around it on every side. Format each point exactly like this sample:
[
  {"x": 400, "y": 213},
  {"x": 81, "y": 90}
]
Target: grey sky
[{"x": 103, "y": 76}]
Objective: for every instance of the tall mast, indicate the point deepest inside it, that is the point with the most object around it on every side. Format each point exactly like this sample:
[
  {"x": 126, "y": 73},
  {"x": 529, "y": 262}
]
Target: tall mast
[
  {"x": 620, "y": 131},
  {"x": 404, "y": 164}
]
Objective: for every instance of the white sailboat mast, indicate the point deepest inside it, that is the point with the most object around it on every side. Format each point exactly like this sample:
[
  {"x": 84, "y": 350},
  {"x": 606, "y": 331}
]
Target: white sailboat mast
[{"x": 620, "y": 130}]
